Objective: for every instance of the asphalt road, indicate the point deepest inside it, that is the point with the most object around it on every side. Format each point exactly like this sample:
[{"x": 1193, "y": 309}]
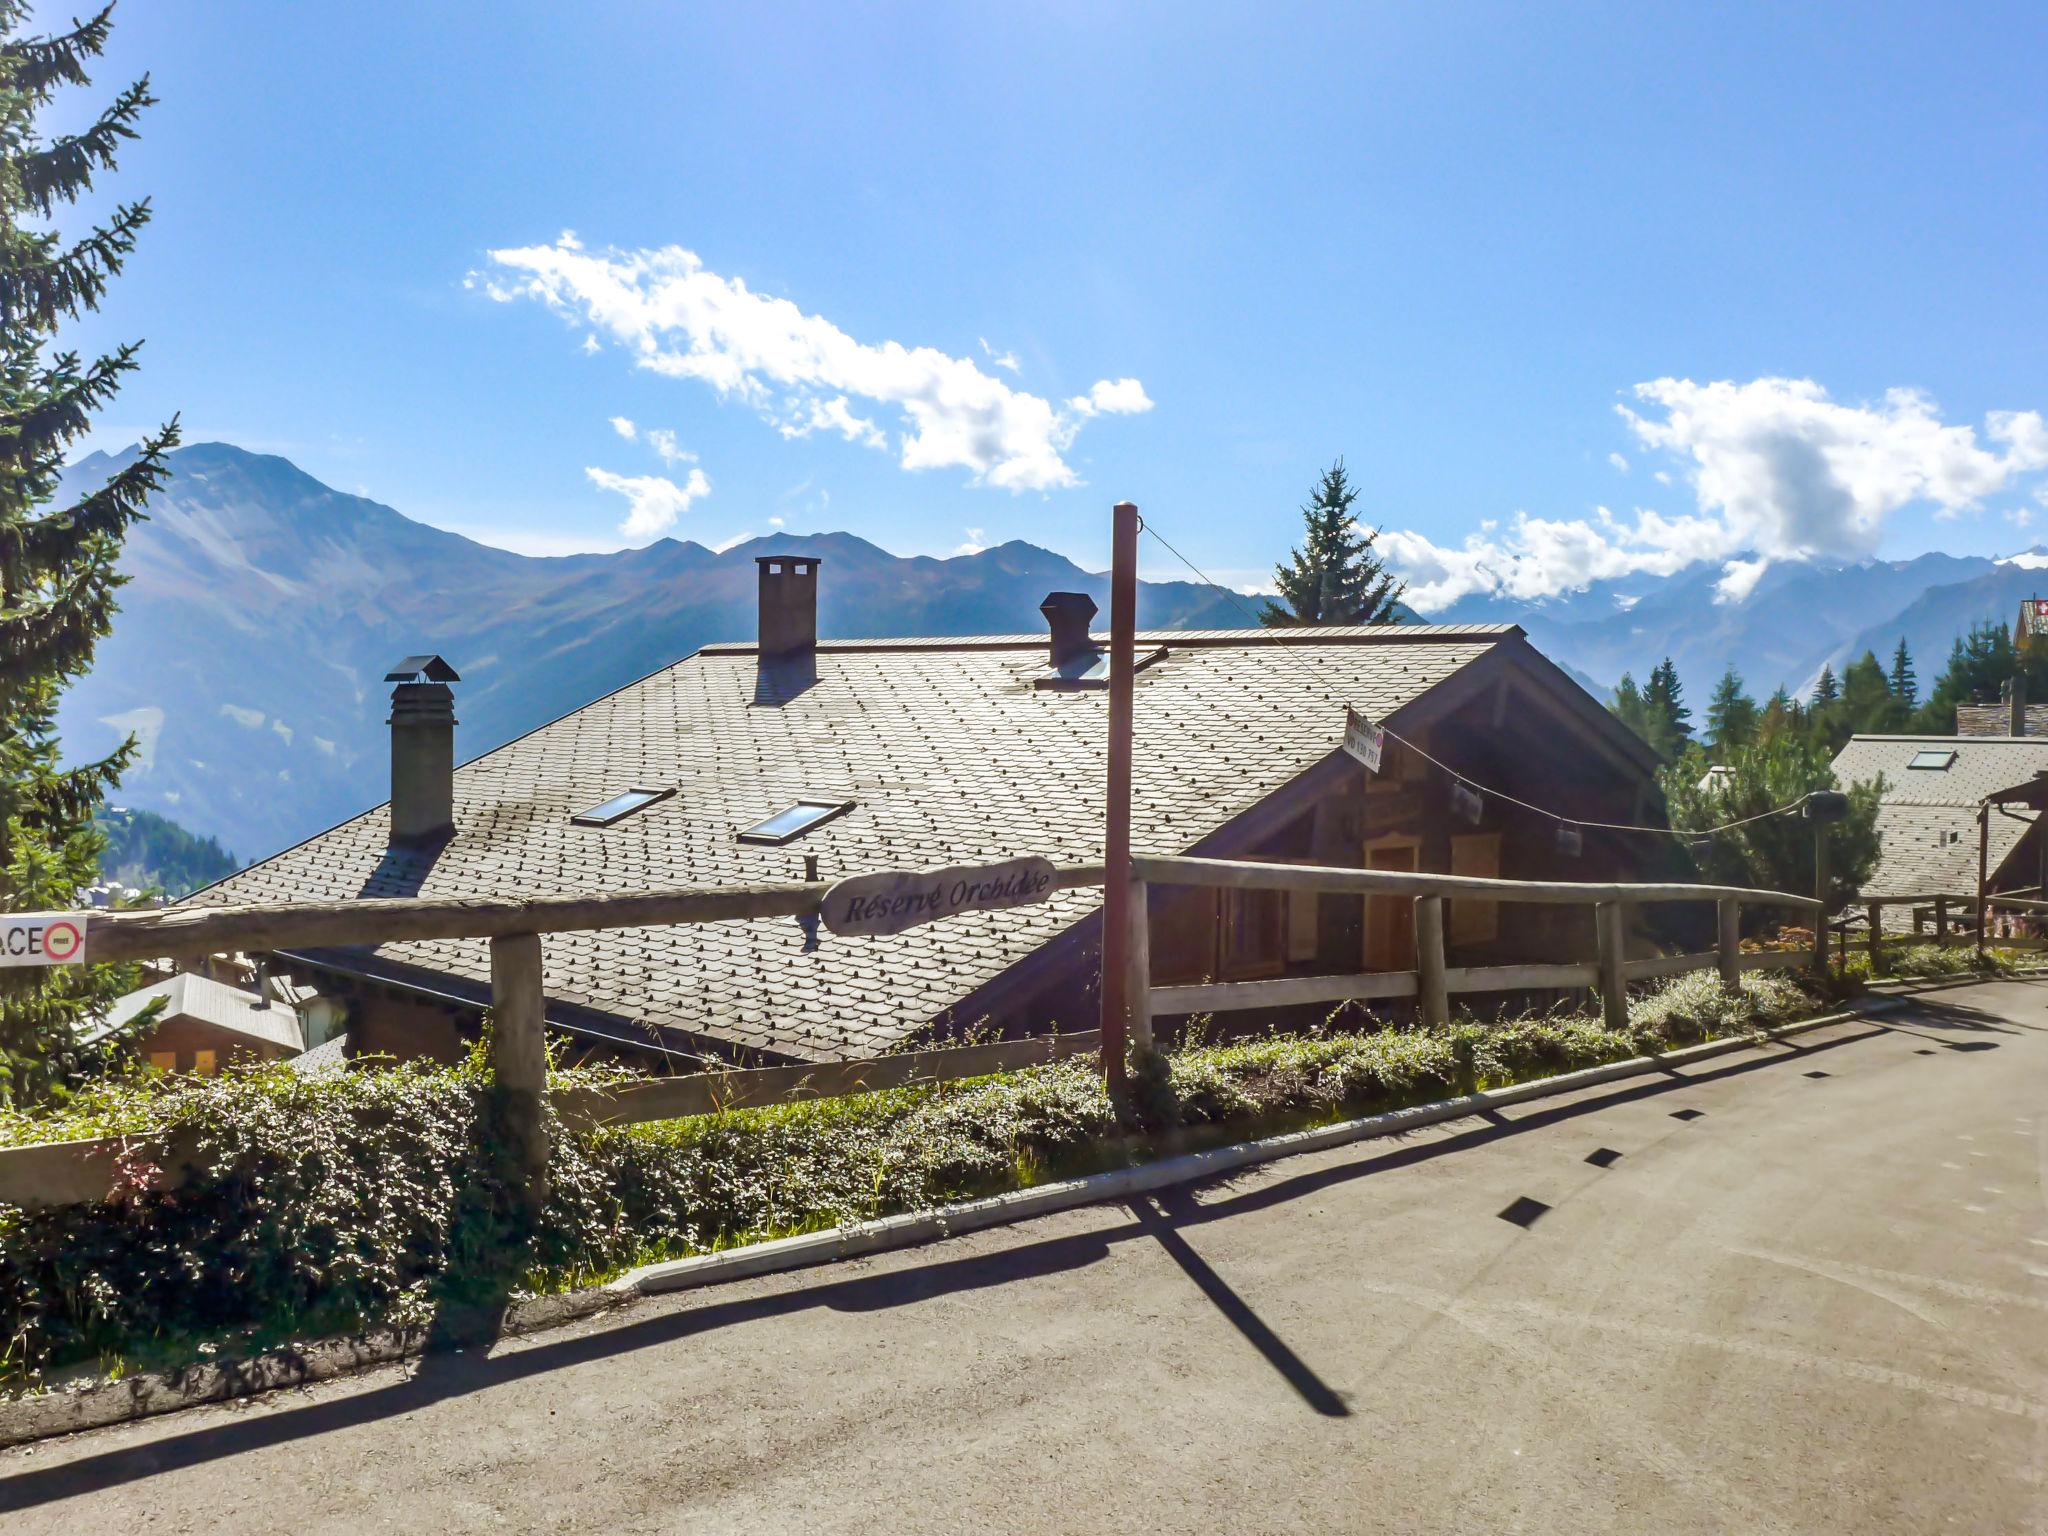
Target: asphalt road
[{"x": 1801, "y": 1289}]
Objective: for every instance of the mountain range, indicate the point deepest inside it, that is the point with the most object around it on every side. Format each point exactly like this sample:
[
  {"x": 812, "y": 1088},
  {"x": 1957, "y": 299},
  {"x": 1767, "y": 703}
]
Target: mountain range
[{"x": 263, "y": 609}]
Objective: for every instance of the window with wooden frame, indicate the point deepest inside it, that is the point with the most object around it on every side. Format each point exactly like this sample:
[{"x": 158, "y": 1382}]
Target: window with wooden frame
[
  {"x": 1253, "y": 937},
  {"x": 1472, "y": 919}
]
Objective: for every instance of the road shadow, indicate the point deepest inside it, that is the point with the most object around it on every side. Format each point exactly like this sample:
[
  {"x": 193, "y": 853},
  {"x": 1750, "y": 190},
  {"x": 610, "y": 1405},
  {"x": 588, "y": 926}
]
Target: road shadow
[{"x": 460, "y": 1372}]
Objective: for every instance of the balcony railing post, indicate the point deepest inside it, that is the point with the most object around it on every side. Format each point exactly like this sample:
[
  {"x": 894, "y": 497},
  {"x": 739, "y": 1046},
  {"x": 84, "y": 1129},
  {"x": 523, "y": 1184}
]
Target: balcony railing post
[
  {"x": 1138, "y": 961},
  {"x": 1729, "y": 949},
  {"x": 519, "y": 1061},
  {"x": 1610, "y": 929},
  {"x": 1432, "y": 994}
]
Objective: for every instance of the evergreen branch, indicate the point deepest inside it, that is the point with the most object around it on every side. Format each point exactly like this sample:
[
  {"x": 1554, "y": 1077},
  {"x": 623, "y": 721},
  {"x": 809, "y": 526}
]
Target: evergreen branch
[
  {"x": 60, "y": 406},
  {"x": 63, "y": 169},
  {"x": 38, "y": 65},
  {"x": 36, "y": 292},
  {"x": 54, "y": 543}
]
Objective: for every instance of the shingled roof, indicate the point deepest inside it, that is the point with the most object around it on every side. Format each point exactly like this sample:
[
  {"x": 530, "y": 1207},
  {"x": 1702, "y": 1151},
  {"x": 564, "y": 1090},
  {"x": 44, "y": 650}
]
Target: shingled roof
[
  {"x": 1927, "y": 820},
  {"x": 947, "y": 751}
]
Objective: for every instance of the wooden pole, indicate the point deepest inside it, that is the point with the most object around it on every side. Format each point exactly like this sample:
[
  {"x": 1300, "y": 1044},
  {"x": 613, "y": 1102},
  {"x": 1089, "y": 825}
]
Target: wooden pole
[
  {"x": 1820, "y": 894},
  {"x": 519, "y": 1058},
  {"x": 1729, "y": 950},
  {"x": 1876, "y": 934},
  {"x": 1983, "y": 871},
  {"x": 1140, "y": 968},
  {"x": 1116, "y": 832},
  {"x": 1609, "y": 930},
  {"x": 1432, "y": 990}
]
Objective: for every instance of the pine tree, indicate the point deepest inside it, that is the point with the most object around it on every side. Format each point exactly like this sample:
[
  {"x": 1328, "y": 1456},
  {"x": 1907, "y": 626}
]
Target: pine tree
[
  {"x": 1827, "y": 690},
  {"x": 1905, "y": 686},
  {"x": 1731, "y": 714},
  {"x": 1664, "y": 703},
  {"x": 57, "y": 575},
  {"x": 1334, "y": 578}
]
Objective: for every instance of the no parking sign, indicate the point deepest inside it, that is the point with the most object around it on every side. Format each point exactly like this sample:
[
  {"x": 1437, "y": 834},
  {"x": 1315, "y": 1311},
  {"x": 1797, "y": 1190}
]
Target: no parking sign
[{"x": 42, "y": 938}]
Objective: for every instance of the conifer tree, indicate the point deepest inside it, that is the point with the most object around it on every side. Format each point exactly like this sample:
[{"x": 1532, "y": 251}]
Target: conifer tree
[
  {"x": 1827, "y": 690},
  {"x": 1905, "y": 686},
  {"x": 1335, "y": 577},
  {"x": 1664, "y": 703},
  {"x": 1731, "y": 714},
  {"x": 57, "y": 575}
]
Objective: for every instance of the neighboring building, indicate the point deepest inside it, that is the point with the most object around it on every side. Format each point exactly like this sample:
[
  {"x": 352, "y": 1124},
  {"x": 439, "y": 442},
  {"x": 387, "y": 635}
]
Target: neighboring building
[
  {"x": 745, "y": 763},
  {"x": 206, "y": 1024},
  {"x": 2012, "y": 715},
  {"x": 1927, "y": 818}
]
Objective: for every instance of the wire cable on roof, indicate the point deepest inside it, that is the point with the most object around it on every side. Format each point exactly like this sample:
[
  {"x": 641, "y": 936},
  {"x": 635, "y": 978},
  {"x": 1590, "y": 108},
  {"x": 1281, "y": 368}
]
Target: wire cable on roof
[{"x": 1340, "y": 692}]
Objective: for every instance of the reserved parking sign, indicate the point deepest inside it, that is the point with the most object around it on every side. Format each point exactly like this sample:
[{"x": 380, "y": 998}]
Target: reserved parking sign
[{"x": 42, "y": 938}]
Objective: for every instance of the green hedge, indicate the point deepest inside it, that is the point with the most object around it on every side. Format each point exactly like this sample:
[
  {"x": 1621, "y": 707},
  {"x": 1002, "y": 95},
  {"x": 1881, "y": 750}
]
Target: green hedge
[{"x": 331, "y": 1204}]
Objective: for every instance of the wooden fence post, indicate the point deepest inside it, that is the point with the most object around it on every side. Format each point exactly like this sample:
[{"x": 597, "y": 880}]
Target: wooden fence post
[
  {"x": 1876, "y": 936},
  {"x": 1729, "y": 950},
  {"x": 1941, "y": 919},
  {"x": 519, "y": 1058},
  {"x": 1431, "y": 989},
  {"x": 1820, "y": 891},
  {"x": 1609, "y": 929},
  {"x": 1139, "y": 963}
]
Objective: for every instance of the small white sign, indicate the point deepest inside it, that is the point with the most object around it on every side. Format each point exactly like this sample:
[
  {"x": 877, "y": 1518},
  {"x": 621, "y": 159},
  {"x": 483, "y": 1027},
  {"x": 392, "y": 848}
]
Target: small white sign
[
  {"x": 1362, "y": 739},
  {"x": 42, "y": 938},
  {"x": 894, "y": 900}
]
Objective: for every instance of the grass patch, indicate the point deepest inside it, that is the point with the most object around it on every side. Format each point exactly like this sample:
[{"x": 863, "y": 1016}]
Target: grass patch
[{"x": 338, "y": 1203}]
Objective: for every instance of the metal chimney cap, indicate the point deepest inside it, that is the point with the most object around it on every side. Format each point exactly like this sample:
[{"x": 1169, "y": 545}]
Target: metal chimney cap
[
  {"x": 415, "y": 668},
  {"x": 1066, "y": 602}
]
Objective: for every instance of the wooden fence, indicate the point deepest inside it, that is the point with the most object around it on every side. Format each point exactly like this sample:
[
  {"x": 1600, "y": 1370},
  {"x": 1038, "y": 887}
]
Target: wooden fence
[
  {"x": 60, "y": 1173},
  {"x": 1954, "y": 918},
  {"x": 1431, "y": 983}
]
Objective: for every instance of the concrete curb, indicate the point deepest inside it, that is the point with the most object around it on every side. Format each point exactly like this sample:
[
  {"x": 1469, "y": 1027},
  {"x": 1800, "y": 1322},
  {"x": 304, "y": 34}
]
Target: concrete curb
[
  {"x": 1000, "y": 1210},
  {"x": 145, "y": 1396}
]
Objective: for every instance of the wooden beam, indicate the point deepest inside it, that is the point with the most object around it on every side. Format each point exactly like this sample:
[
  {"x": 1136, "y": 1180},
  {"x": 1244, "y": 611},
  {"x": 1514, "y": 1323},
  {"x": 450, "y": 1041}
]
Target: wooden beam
[
  {"x": 519, "y": 1059},
  {"x": 1728, "y": 941},
  {"x": 188, "y": 932},
  {"x": 1669, "y": 965},
  {"x": 1283, "y": 992},
  {"x": 1386, "y": 882},
  {"x": 1609, "y": 919},
  {"x": 705, "y": 1093},
  {"x": 1116, "y": 832},
  {"x": 1777, "y": 960},
  {"x": 1138, "y": 969},
  {"x": 1434, "y": 995},
  {"x": 1519, "y": 978}
]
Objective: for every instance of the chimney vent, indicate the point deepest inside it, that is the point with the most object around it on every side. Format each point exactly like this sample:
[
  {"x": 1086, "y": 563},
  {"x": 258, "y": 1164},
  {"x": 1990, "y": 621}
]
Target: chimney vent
[
  {"x": 789, "y": 604},
  {"x": 422, "y": 751},
  {"x": 1068, "y": 614}
]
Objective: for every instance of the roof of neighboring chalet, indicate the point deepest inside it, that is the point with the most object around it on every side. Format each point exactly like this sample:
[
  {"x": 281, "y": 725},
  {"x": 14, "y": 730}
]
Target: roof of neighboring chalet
[
  {"x": 949, "y": 754},
  {"x": 189, "y": 995},
  {"x": 1927, "y": 820},
  {"x": 324, "y": 1060}
]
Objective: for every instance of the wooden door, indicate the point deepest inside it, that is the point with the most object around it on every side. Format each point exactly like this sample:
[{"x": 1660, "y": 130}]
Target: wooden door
[{"x": 1390, "y": 920}]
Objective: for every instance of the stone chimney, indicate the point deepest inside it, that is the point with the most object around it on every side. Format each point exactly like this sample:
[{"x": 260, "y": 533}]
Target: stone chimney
[
  {"x": 789, "y": 604},
  {"x": 1068, "y": 613},
  {"x": 422, "y": 751}
]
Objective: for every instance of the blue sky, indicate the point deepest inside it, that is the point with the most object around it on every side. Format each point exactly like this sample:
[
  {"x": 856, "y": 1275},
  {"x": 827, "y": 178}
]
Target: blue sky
[{"x": 1039, "y": 258}]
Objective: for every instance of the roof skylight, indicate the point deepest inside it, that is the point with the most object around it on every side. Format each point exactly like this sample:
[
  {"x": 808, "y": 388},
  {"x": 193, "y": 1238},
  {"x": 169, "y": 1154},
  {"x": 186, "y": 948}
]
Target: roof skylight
[
  {"x": 1935, "y": 758},
  {"x": 786, "y": 826},
  {"x": 619, "y": 807}
]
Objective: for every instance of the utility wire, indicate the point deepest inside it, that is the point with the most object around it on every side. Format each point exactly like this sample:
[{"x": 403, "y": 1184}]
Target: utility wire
[{"x": 1343, "y": 693}]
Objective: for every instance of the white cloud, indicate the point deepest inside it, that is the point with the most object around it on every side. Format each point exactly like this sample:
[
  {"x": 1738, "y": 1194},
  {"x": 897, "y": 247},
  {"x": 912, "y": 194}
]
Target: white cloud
[
  {"x": 975, "y": 543},
  {"x": 284, "y": 731},
  {"x": 801, "y": 371},
  {"x": 732, "y": 543},
  {"x": 625, "y": 428},
  {"x": 1000, "y": 359},
  {"x": 1739, "y": 579},
  {"x": 2020, "y": 517},
  {"x": 1618, "y": 462},
  {"x": 1112, "y": 397},
  {"x": 654, "y": 502},
  {"x": 1778, "y": 472},
  {"x": 1662, "y": 476},
  {"x": 663, "y": 442},
  {"x": 251, "y": 718},
  {"x": 774, "y": 522},
  {"x": 592, "y": 344}
]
